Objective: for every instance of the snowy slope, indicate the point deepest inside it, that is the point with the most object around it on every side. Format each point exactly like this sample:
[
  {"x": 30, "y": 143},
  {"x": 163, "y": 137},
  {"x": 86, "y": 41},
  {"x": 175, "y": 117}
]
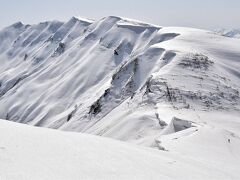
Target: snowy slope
[
  {"x": 118, "y": 77},
  {"x": 28, "y": 153}
]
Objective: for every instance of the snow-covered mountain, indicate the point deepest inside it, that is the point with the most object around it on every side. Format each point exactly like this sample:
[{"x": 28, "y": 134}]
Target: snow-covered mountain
[
  {"x": 117, "y": 77},
  {"x": 233, "y": 33},
  {"x": 170, "y": 88}
]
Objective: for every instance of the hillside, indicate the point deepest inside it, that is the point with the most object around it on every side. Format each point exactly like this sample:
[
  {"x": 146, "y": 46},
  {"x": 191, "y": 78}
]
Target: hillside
[
  {"x": 37, "y": 153},
  {"x": 119, "y": 78}
]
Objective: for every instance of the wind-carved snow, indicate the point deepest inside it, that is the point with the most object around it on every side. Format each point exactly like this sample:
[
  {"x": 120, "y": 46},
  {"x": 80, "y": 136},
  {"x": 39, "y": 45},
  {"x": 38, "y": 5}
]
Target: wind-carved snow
[
  {"x": 168, "y": 88},
  {"x": 112, "y": 77}
]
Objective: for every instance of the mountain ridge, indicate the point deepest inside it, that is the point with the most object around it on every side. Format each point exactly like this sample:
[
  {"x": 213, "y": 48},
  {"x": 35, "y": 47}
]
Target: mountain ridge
[
  {"x": 113, "y": 77},
  {"x": 232, "y": 33}
]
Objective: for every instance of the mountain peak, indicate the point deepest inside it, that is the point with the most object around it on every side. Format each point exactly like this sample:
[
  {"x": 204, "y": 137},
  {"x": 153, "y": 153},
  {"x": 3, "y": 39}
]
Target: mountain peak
[
  {"x": 17, "y": 25},
  {"x": 83, "y": 19},
  {"x": 115, "y": 77}
]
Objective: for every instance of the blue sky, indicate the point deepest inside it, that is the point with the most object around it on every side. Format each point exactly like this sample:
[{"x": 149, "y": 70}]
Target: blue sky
[{"x": 206, "y": 14}]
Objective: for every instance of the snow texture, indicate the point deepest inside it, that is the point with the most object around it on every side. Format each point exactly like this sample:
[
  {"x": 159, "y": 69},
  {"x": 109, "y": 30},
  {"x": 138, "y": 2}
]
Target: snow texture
[
  {"x": 174, "y": 89},
  {"x": 28, "y": 153}
]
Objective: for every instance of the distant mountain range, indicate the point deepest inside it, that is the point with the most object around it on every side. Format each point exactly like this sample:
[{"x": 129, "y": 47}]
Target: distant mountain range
[{"x": 233, "y": 33}]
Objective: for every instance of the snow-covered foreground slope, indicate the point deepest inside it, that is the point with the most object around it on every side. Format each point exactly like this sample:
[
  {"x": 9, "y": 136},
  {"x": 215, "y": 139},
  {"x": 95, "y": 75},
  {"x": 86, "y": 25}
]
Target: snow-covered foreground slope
[
  {"x": 118, "y": 77},
  {"x": 28, "y": 153}
]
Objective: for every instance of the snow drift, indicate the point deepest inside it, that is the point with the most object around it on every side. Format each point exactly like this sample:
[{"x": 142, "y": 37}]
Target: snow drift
[{"x": 37, "y": 153}]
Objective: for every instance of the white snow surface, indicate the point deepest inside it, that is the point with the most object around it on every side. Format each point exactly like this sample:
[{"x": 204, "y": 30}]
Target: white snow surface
[
  {"x": 174, "y": 89},
  {"x": 108, "y": 77},
  {"x": 28, "y": 153}
]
